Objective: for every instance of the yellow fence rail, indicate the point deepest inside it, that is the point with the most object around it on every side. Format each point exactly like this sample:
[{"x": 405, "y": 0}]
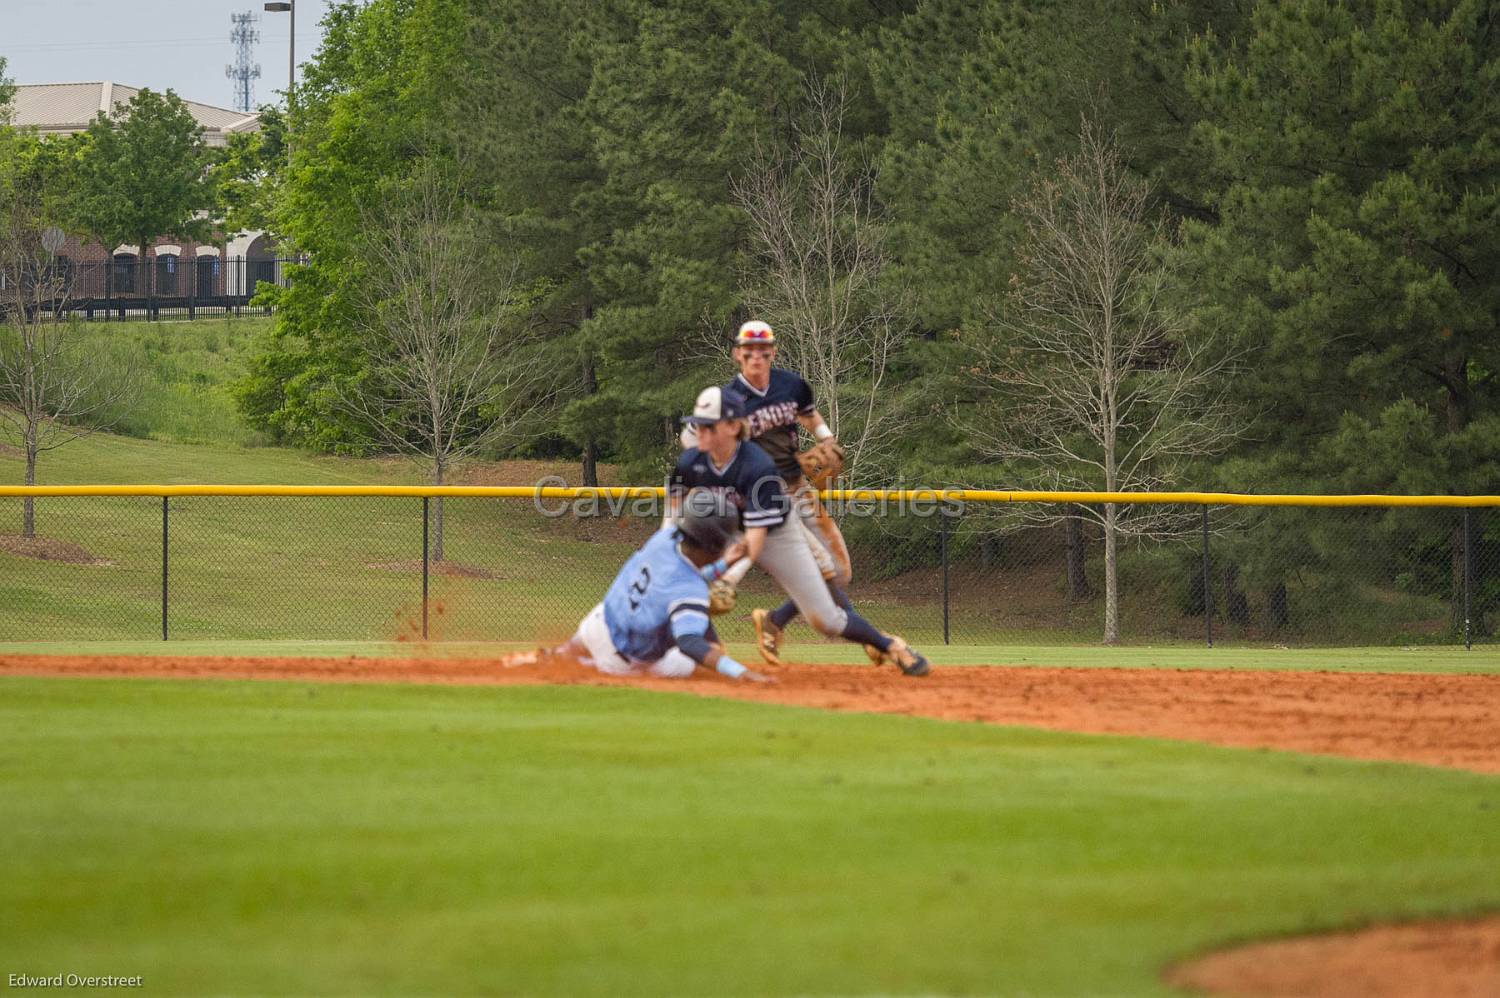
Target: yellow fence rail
[
  {"x": 845, "y": 495},
  {"x": 338, "y": 568}
]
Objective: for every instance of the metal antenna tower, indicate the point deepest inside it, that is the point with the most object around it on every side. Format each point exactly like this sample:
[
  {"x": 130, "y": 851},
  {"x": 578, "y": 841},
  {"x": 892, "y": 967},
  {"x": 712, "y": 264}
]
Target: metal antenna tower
[{"x": 243, "y": 71}]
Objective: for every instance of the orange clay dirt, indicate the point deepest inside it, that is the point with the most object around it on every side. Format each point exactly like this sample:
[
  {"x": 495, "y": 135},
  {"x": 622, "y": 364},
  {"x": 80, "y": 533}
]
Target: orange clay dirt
[{"x": 1435, "y": 720}]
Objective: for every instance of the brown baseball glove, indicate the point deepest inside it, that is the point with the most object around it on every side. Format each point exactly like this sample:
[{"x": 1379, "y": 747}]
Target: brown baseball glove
[
  {"x": 822, "y": 462},
  {"x": 721, "y": 597}
]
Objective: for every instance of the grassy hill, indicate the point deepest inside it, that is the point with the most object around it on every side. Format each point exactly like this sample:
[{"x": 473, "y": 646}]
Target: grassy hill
[
  {"x": 262, "y": 568},
  {"x": 181, "y": 373}
]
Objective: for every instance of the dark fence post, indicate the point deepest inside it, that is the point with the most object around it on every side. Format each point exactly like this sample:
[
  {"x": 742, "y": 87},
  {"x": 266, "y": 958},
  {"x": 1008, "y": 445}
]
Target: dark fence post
[
  {"x": 1468, "y": 577},
  {"x": 943, "y": 544},
  {"x": 164, "y": 501},
  {"x": 425, "y": 502},
  {"x": 1208, "y": 586}
]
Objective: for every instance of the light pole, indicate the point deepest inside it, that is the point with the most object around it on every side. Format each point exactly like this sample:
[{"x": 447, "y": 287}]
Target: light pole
[{"x": 288, "y": 7}]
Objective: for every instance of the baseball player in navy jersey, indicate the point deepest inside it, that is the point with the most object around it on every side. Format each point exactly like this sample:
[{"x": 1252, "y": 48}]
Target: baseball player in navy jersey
[
  {"x": 654, "y": 620},
  {"x": 778, "y": 402},
  {"x": 725, "y": 462}
]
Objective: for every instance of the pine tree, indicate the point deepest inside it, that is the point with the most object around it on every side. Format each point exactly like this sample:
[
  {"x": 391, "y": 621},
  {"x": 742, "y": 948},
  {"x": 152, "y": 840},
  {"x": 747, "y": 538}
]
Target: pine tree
[{"x": 1356, "y": 179}]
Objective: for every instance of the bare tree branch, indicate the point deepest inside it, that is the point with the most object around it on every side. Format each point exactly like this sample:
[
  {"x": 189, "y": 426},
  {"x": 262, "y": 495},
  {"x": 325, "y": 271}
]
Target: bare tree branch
[
  {"x": 1093, "y": 380},
  {"x": 819, "y": 272},
  {"x": 51, "y": 391},
  {"x": 449, "y": 370}
]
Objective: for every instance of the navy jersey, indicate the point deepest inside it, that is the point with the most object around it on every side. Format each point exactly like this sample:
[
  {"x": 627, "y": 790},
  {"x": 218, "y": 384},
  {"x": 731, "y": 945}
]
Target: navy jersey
[
  {"x": 658, "y": 597},
  {"x": 772, "y": 415},
  {"x": 750, "y": 480}
]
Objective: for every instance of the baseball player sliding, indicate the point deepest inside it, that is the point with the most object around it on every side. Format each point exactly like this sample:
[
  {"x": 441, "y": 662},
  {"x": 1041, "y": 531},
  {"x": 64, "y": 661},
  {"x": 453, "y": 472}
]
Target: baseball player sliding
[
  {"x": 722, "y": 459},
  {"x": 654, "y": 618}
]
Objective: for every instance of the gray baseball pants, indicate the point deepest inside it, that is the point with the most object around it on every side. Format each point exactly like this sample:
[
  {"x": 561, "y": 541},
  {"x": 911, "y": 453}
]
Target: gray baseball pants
[{"x": 788, "y": 558}]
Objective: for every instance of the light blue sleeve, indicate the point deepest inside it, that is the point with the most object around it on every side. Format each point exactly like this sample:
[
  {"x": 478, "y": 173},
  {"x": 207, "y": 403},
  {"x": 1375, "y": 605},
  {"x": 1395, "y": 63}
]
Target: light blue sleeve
[
  {"x": 687, "y": 622},
  {"x": 687, "y": 605}
]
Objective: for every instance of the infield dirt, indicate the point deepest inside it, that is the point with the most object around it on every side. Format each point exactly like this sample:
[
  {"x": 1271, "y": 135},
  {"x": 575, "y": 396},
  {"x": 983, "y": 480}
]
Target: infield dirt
[
  {"x": 1432, "y": 719},
  {"x": 1429, "y": 719}
]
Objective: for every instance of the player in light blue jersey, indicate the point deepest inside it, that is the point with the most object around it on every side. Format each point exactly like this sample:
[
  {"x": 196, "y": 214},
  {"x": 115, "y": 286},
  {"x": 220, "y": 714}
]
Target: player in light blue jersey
[{"x": 654, "y": 618}]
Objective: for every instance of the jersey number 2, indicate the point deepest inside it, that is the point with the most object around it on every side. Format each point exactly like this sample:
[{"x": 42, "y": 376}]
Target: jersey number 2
[{"x": 638, "y": 588}]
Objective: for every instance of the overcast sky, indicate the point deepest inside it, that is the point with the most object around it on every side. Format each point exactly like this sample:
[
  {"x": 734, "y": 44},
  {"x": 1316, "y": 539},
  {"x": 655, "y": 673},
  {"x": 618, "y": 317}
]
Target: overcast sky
[{"x": 181, "y": 45}]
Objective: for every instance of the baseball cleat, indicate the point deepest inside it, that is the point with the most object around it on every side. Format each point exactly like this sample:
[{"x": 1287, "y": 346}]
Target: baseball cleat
[
  {"x": 900, "y": 654},
  {"x": 875, "y": 655},
  {"x": 767, "y": 636}
]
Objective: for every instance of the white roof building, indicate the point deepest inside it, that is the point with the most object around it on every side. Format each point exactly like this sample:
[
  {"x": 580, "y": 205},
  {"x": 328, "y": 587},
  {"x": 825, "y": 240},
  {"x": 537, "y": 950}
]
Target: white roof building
[{"x": 65, "y": 108}]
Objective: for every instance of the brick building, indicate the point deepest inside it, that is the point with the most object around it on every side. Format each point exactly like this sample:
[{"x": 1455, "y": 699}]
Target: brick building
[{"x": 229, "y": 265}]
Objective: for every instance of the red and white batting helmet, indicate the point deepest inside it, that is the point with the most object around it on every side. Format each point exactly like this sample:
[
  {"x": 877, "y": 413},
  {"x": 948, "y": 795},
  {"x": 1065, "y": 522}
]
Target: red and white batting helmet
[{"x": 754, "y": 332}]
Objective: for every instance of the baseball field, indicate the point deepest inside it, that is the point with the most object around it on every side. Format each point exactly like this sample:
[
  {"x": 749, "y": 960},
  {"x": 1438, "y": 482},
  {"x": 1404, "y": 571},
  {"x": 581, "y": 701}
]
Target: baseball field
[
  {"x": 356, "y": 818},
  {"x": 334, "y": 817}
]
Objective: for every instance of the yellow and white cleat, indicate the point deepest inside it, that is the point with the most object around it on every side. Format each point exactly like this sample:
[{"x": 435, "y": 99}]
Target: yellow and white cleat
[
  {"x": 902, "y": 655},
  {"x": 767, "y": 636}
]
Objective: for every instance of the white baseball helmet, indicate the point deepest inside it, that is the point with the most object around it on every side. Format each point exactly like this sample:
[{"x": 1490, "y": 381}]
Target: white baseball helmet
[{"x": 755, "y": 332}]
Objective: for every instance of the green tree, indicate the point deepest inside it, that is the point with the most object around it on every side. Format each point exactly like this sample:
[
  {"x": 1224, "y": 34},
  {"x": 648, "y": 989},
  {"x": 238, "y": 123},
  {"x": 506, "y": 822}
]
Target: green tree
[
  {"x": 141, "y": 173},
  {"x": 722, "y": 76},
  {"x": 977, "y": 98},
  {"x": 377, "y": 96},
  {"x": 246, "y": 172},
  {"x": 7, "y": 94},
  {"x": 1354, "y": 175},
  {"x": 623, "y": 189},
  {"x": 528, "y": 135},
  {"x": 664, "y": 270},
  {"x": 964, "y": 88}
]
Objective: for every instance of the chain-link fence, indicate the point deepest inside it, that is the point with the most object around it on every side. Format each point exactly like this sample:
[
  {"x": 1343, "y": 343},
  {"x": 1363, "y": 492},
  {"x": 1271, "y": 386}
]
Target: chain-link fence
[
  {"x": 1036, "y": 574},
  {"x": 522, "y": 569}
]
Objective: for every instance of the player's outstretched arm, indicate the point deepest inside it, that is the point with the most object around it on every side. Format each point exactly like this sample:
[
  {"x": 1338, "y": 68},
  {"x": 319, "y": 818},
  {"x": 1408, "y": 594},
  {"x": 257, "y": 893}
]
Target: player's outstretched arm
[{"x": 712, "y": 656}]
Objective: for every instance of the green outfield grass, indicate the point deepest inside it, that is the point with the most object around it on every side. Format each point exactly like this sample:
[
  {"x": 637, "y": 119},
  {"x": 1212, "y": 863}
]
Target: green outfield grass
[
  {"x": 278, "y": 838},
  {"x": 1417, "y": 659}
]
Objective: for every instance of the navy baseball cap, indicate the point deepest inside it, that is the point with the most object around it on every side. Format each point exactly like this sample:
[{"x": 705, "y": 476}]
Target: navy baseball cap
[{"x": 712, "y": 406}]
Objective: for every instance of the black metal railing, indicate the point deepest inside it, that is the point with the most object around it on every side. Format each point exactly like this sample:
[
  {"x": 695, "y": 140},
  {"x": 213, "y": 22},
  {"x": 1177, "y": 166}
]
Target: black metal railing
[{"x": 158, "y": 287}]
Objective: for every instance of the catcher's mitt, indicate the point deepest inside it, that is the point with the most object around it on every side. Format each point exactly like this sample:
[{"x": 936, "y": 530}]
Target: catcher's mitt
[
  {"x": 721, "y": 597},
  {"x": 822, "y": 462}
]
